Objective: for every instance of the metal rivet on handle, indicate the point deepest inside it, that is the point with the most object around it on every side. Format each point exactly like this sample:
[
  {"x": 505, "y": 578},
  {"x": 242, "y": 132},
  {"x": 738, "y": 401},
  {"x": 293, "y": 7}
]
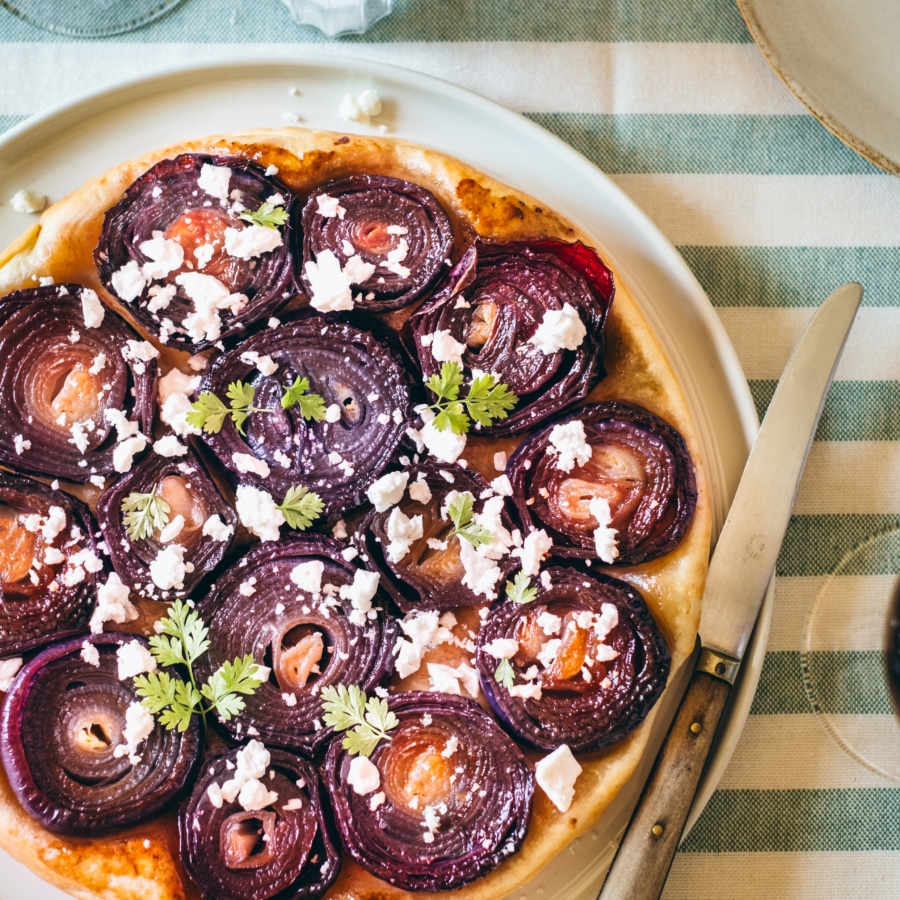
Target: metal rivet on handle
[
  {"x": 657, "y": 830},
  {"x": 696, "y": 728}
]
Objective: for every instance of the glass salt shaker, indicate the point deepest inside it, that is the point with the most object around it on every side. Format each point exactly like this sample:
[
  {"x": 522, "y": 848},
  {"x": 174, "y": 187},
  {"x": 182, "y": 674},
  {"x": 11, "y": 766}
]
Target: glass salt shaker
[{"x": 334, "y": 17}]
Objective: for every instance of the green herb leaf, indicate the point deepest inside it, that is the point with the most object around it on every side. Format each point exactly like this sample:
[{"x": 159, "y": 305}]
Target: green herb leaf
[
  {"x": 461, "y": 514},
  {"x": 207, "y": 412},
  {"x": 367, "y": 720},
  {"x": 301, "y": 507},
  {"x": 268, "y": 215},
  {"x": 182, "y": 639},
  {"x": 520, "y": 589},
  {"x": 312, "y": 406},
  {"x": 240, "y": 398},
  {"x": 144, "y": 514},
  {"x": 504, "y": 674},
  {"x": 485, "y": 401}
]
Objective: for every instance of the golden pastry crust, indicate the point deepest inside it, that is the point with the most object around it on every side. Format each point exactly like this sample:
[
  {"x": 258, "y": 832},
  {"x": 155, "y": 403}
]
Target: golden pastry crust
[{"x": 144, "y": 863}]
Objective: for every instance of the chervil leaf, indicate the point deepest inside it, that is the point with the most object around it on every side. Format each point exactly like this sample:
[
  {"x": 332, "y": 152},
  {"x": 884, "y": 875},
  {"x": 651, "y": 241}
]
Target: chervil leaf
[
  {"x": 182, "y": 638},
  {"x": 144, "y": 514},
  {"x": 208, "y": 412},
  {"x": 487, "y": 400},
  {"x": 301, "y": 507},
  {"x": 446, "y": 385},
  {"x": 504, "y": 674},
  {"x": 240, "y": 398},
  {"x": 312, "y": 406},
  {"x": 366, "y": 720},
  {"x": 268, "y": 215},
  {"x": 461, "y": 514},
  {"x": 520, "y": 589}
]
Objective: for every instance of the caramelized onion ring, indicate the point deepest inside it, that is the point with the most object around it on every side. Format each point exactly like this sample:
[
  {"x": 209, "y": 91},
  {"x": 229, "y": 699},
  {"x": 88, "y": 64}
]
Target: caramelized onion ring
[
  {"x": 396, "y": 228},
  {"x": 257, "y": 607},
  {"x": 48, "y": 564},
  {"x": 62, "y": 722},
  {"x": 639, "y": 464},
  {"x": 58, "y": 380},
  {"x": 190, "y": 492},
  {"x": 233, "y": 854},
  {"x": 493, "y": 302},
  {"x": 457, "y": 795},
  {"x": 177, "y": 202},
  {"x": 594, "y": 686}
]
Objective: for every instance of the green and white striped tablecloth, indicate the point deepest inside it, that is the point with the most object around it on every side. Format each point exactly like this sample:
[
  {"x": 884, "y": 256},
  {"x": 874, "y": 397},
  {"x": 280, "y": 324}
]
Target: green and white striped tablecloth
[{"x": 673, "y": 100}]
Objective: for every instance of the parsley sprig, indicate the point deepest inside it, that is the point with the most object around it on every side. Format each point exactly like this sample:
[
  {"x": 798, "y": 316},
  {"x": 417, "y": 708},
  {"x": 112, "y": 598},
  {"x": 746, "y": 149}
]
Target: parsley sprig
[
  {"x": 461, "y": 512},
  {"x": 208, "y": 412},
  {"x": 301, "y": 507},
  {"x": 268, "y": 215},
  {"x": 184, "y": 638},
  {"x": 520, "y": 589},
  {"x": 367, "y": 720},
  {"x": 143, "y": 514},
  {"x": 485, "y": 400}
]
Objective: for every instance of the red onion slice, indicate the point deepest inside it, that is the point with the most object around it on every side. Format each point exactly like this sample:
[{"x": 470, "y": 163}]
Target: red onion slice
[
  {"x": 639, "y": 466},
  {"x": 454, "y": 798},
  {"x": 391, "y": 237},
  {"x": 284, "y": 849},
  {"x": 282, "y": 603},
  {"x": 75, "y": 396},
  {"x": 49, "y": 562},
  {"x": 584, "y": 661},
  {"x": 63, "y": 743},
  {"x": 498, "y": 306},
  {"x": 176, "y": 250}
]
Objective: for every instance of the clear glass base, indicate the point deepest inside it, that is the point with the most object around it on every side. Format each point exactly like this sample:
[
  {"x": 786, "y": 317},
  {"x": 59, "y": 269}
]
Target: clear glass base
[
  {"x": 844, "y": 654},
  {"x": 89, "y": 18},
  {"x": 334, "y": 17}
]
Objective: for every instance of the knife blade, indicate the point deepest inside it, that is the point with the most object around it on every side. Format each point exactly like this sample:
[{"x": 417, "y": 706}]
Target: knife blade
[{"x": 739, "y": 572}]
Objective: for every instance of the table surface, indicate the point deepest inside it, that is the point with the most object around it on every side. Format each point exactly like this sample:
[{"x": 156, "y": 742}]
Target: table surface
[{"x": 676, "y": 104}]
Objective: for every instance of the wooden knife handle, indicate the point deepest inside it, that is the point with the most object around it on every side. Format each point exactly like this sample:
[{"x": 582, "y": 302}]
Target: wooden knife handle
[{"x": 645, "y": 854}]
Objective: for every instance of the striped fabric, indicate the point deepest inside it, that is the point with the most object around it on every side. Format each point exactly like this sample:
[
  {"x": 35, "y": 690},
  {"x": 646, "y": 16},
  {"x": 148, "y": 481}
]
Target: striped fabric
[{"x": 770, "y": 211}]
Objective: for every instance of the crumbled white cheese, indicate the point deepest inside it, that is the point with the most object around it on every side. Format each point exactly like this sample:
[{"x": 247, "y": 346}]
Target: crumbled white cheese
[
  {"x": 308, "y": 576},
  {"x": 258, "y": 512},
  {"x": 361, "y": 107},
  {"x": 163, "y": 254},
  {"x": 442, "y": 445},
  {"x": 452, "y": 679},
  {"x": 247, "y": 462},
  {"x": 26, "y": 201},
  {"x": 125, "y": 427},
  {"x": 402, "y": 533},
  {"x": 21, "y": 444},
  {"x": 445, "y": 348},
  {"x": 134, "y": 658},
  {"x": 482, "y": 573},
  {"x": 360, "y": 594},
  {"x": 330, "y": 284},
  {"x": 174, "y": 393},
  {"x": 556, "y": 774},
  {"x": 560, "y": 329},
  {"x": 604, "y": 536},
  {"x": 91, "y": 308},
  {"x": 333, "y": 413},
  {"x": 113, "y": 604},
  {"x": 214, "y": 180},
  {"x": 387, "y": 490},
  {"x": 533, "y": 551},
  {"x": 363, "y": 775},
  {"x": 254, "y": 795},
  {"x": 329, "y": 206},
  {"x": 125, "y": 451},
  {"x": 139, "y": 725},
  {"x": 172, "y": 529},
  {"x": 216, "y": 529},
  {"x": 502, "y": 648},
  {"x": 421, "y": 630},
  {"x": 569, "y": 443},
  {"x": 420, "y": 492},
  {"x": 252, "y": 241},
  {"x": 128, "y": 282},
  {"x": 161, "y": 295},
  {"x": 209, "y": 296},
  {"x": 265, "y": 364},
  {"x": 169, "y": 446},
  {"x": 500, "y": 458},
  {"x": 168, "y": 569}
]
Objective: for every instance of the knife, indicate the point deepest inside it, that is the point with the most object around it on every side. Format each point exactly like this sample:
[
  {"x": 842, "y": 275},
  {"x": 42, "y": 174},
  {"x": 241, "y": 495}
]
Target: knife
[{"x": 739, "y": 573}]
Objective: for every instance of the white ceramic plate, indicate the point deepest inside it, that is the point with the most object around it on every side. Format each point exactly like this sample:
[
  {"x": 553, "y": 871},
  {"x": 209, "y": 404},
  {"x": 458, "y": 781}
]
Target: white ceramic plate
[
  {"x": 55, "y": 152},
  {"x": 841, "y": 61}
]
